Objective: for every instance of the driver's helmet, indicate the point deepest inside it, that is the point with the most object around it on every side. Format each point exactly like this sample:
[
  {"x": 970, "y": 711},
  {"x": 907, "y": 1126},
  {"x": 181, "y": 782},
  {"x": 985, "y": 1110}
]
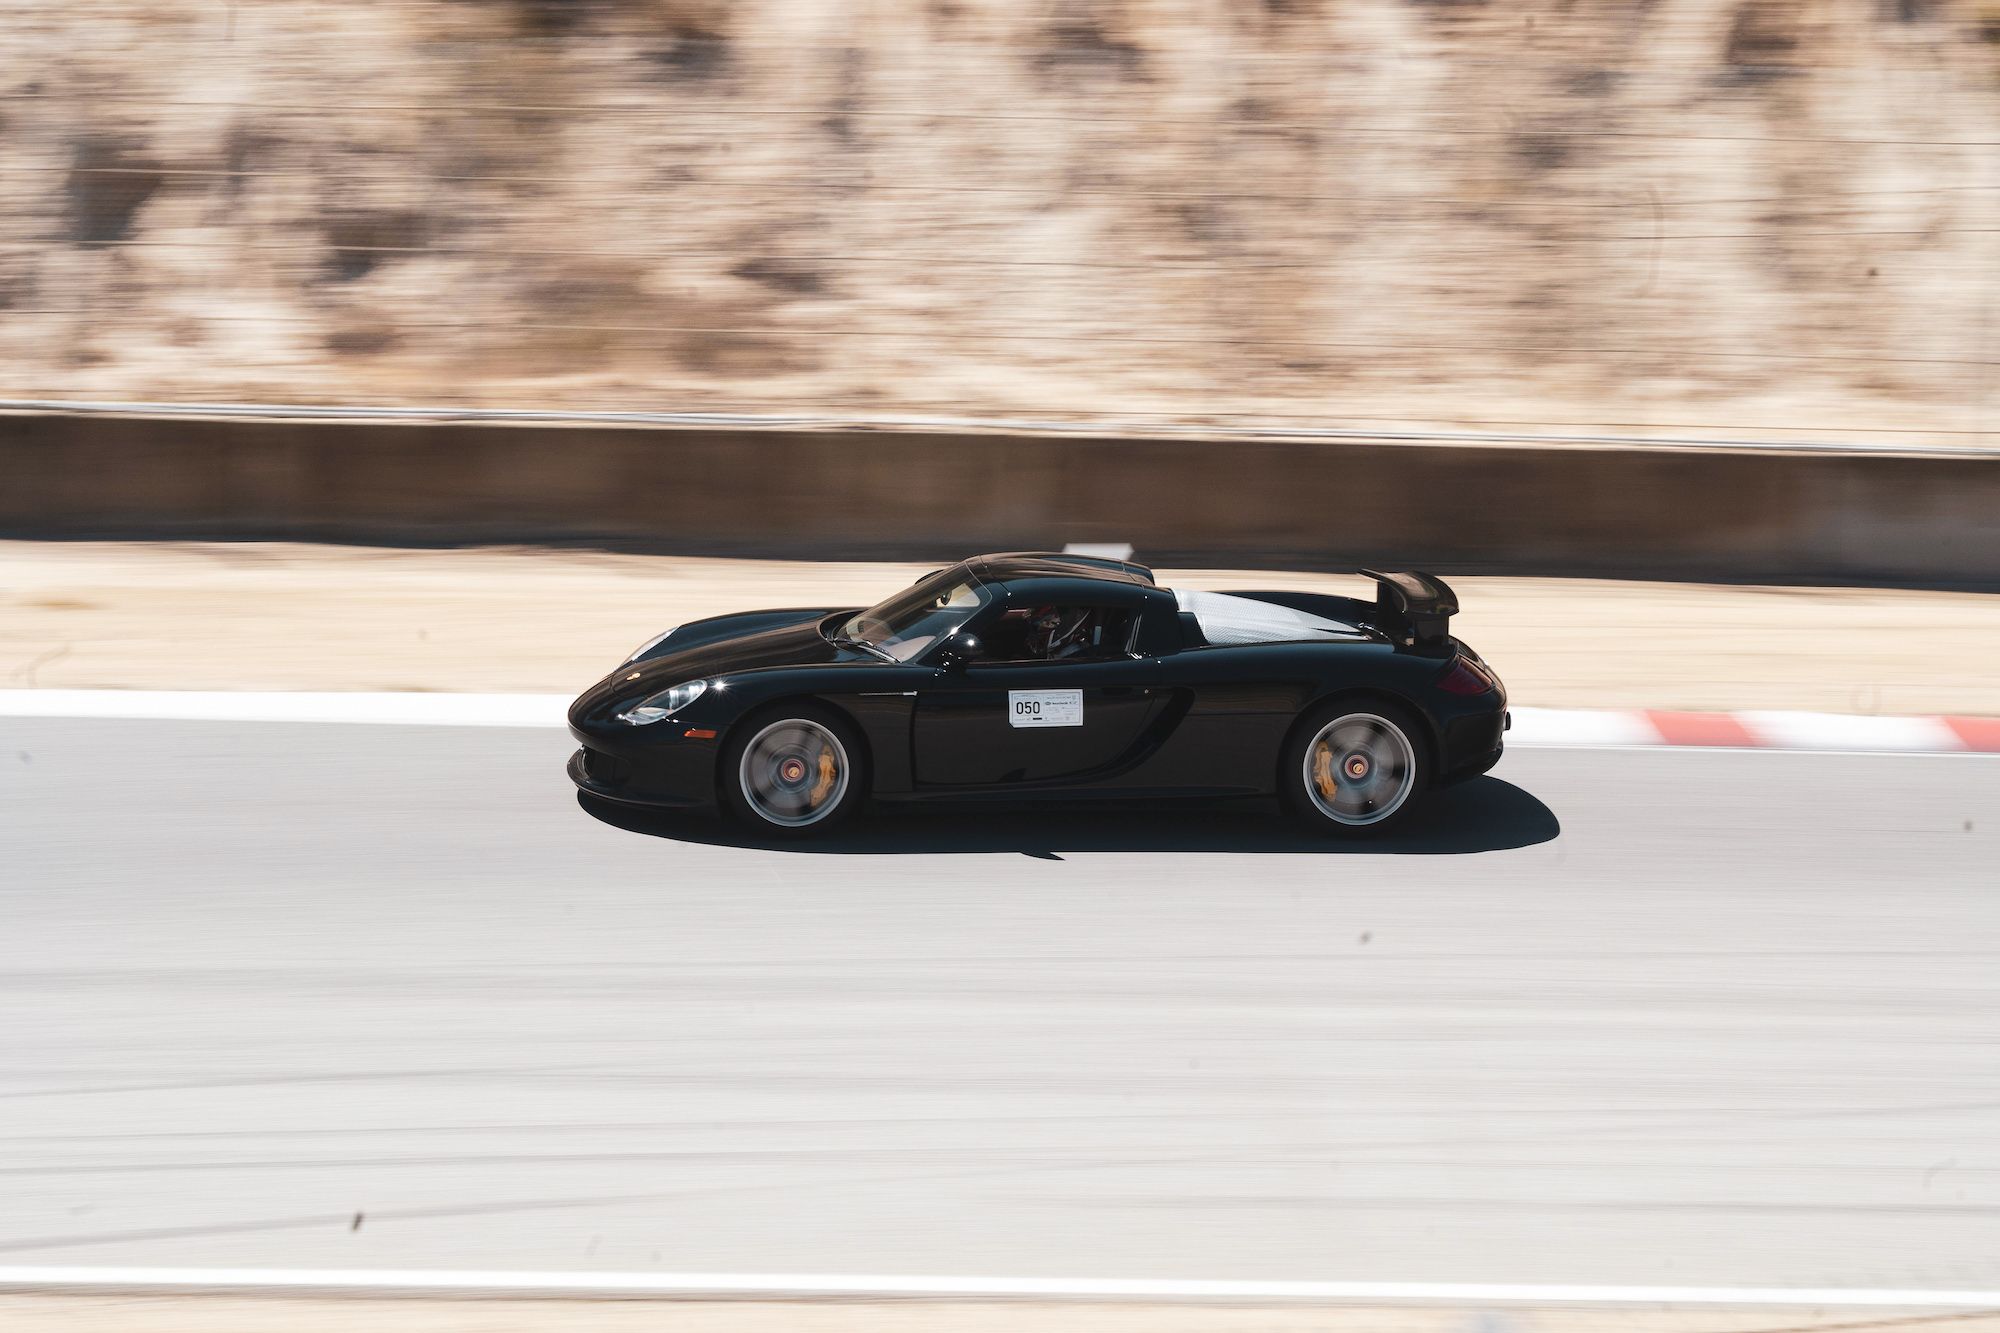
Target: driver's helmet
[{"x": 1054, "y": 632}]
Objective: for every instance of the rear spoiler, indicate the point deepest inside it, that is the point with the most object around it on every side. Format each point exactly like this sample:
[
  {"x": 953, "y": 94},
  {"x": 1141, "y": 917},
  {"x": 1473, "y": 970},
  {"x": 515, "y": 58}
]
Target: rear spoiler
[{"x": 1413, "y": 607}]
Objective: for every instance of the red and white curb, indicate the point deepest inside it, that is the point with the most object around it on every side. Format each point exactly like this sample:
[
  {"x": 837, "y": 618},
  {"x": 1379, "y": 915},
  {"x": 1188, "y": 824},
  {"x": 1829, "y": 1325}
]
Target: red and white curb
[
  {"x": 1760, "y": 730},
  {"x": 1560, "y": 727}
]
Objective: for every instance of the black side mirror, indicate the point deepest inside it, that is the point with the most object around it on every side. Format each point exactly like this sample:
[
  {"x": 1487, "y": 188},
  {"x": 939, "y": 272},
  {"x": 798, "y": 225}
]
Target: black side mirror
[{"x": 959, "y": 649}]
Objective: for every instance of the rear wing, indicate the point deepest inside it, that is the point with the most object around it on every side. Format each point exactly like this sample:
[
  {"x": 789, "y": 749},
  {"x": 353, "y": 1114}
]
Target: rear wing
[{"x": 1413, "y": 607}]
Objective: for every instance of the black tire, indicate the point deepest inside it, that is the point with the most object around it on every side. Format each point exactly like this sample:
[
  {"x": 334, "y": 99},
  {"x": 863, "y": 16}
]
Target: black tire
[
  {"x": 1373, "y": 768},
  {"x": 793, "y": 771}
]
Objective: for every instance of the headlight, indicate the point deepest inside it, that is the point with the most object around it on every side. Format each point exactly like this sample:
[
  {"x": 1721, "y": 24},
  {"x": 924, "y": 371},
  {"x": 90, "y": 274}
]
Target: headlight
[
  {"x": 649, "y": 644},
  {"x": 664, "y": 704}
]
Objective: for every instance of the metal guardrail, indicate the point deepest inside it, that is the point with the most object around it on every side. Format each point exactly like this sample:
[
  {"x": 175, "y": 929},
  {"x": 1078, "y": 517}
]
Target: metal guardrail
[{"x": 1112, "y": 426}]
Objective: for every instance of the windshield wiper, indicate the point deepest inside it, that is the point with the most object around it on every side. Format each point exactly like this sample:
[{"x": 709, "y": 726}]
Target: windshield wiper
[{"x": 848, "y": 641}]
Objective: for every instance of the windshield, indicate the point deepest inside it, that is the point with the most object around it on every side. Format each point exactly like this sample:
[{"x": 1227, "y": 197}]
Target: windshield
[{"x": 918, "y": 617}]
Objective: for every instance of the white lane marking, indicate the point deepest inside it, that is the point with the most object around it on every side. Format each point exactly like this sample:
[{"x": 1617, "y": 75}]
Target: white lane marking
[
  {"x": 1839, "y": 731},
  {"x": 414, "y": 709},
  {"x": 1580, "y": 726},
  {"x": 795, "y": 1285}
]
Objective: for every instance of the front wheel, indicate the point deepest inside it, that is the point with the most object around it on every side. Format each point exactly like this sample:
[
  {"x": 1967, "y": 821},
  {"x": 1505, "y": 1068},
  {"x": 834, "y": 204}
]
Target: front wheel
[
  {"x": 793, "y": 772},
  {"x": 1353, "y": 769}
]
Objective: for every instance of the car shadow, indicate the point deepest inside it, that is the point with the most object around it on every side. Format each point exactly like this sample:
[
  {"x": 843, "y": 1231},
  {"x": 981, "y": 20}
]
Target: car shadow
[{"x": 1483, "y": 815}]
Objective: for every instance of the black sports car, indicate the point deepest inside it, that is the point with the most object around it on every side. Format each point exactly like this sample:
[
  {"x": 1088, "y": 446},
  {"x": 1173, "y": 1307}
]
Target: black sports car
[{"x": 1050, "y": 677}]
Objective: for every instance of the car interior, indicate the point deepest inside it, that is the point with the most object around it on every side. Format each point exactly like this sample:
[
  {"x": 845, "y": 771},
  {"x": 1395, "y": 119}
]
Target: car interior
[{"x": 1060, "y": 633}]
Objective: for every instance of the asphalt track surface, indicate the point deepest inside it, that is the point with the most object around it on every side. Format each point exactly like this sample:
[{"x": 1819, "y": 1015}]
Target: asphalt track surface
[{"x": 391, "y": 997}]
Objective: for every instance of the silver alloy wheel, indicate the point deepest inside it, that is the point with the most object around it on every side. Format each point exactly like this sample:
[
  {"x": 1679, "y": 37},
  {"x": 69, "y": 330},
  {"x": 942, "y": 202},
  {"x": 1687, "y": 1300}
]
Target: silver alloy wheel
[
  {"x": 1360, "y": 769},
  {"x": 794, "y": 772}
]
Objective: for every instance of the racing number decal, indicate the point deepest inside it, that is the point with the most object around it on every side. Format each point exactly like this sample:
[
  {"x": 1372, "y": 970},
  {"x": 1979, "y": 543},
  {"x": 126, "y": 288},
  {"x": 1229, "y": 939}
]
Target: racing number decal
[{"x": 1045, "y": 708}]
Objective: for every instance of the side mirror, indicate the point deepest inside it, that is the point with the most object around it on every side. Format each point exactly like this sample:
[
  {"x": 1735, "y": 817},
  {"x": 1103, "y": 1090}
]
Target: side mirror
[{"x": 959, "y": 649}]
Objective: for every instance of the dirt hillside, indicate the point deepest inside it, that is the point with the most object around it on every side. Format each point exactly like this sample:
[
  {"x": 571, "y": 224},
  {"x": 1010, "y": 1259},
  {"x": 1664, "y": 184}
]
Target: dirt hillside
[{"x": 1753, "y": 215}]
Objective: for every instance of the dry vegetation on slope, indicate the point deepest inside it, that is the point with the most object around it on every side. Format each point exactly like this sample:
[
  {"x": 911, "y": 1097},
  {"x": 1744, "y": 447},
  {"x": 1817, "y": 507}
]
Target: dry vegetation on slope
[{"x": 1777, "y": 214}]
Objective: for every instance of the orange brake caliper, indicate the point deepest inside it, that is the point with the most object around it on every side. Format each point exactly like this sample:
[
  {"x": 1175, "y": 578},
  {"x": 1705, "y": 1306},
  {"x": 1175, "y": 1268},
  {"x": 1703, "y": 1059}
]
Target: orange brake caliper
[
  {"x": 1323, "y": 771},
  {"x": 828, "y": 771}
]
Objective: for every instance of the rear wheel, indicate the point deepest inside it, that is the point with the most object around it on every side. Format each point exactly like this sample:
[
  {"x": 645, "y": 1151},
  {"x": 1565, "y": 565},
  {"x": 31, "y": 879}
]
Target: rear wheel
[
  {"x": 1354, "y": 769},
  {"x": 794, "y": 771}
]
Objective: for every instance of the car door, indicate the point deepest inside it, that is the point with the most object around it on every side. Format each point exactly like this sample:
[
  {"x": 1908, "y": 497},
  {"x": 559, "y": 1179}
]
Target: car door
[{"x": 1008, "y": 723}]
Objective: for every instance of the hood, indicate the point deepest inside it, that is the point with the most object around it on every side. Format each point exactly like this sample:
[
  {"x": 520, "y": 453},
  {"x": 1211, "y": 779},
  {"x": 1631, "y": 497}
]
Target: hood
[
  {"x": 736, "y": 625},
  {"x": 787, "y": 645},
  {"x": 784, "y": 645}
]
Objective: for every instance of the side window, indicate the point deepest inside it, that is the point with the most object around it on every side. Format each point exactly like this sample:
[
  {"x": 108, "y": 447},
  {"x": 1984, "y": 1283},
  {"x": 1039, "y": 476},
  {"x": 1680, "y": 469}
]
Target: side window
[{"x": 1060, "y": 633}]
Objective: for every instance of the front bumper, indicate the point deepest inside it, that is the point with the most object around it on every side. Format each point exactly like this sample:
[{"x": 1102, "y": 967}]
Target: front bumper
[{"x": 664, "y": 769}]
